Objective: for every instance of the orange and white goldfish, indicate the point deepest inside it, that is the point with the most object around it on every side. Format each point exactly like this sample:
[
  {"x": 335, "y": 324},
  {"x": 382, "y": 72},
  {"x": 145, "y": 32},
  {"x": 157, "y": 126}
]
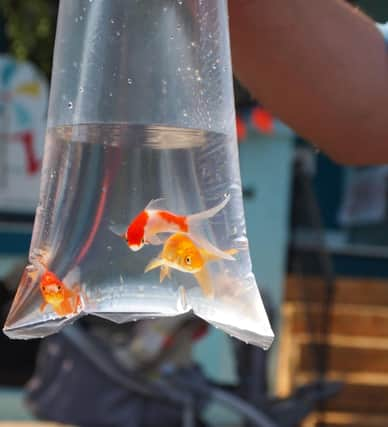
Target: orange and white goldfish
[
  {"x": 181, "y": 253},
  {"x": 63, "y": 300},
  {"x": 144, "y": 229}
]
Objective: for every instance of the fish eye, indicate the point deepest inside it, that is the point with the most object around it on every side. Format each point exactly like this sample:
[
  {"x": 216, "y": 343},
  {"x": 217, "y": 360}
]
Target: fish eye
[
  {"x": 58, "y": 288},
  {"x": 188, "y": 260},
  {"x": 142, "y": 241}
]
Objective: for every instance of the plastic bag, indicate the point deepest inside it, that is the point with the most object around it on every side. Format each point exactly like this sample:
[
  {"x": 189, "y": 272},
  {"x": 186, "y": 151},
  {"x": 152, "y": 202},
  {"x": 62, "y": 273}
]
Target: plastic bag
[{"x": 140, "y": 173}]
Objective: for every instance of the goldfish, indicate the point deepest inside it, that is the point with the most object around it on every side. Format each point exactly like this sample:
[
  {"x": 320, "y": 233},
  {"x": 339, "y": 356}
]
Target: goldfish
[
  {"x": 150, "y": 222},
  {"x": 63, "y": 300},
  {"x": 181, "y": 253}
]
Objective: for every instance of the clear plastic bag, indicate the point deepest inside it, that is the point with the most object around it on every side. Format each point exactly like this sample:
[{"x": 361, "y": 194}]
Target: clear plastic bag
[{"x": 140, "y": 172}]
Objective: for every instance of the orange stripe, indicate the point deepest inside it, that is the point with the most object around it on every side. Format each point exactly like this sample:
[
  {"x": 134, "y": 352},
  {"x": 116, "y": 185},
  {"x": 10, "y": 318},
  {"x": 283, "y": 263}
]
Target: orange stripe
[{"x": 180, "y": 221}]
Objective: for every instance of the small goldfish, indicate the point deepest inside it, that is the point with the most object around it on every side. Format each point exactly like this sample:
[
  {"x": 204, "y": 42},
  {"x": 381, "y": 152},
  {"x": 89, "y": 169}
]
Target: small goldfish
[
  {"x": 181, "y": 253},
  {"x": 63, "y": 300},
  {"x": 144, "y": 229}
]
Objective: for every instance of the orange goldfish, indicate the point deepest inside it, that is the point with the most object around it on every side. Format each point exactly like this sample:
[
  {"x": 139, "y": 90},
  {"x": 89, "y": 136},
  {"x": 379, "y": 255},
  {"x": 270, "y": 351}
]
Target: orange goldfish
[
  {"x": 63, "y": 300},
  {"x": 144, "y": 229},
  {"x": 181, "y": 253}
]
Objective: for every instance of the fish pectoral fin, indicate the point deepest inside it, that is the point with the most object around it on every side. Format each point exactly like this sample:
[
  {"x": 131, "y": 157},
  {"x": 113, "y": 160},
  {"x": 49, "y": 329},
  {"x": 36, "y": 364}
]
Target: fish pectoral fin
[
  {"x": 204, "y": 281},
  {"x": 154, "y": 263},
  {"x": 164, "y": 271}
]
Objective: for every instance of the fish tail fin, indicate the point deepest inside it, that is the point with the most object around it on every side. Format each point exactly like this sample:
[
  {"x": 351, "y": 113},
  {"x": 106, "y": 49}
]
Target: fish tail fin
[
  {"x": 209, "y": 213},
  {"x": 210, "y": 252},
  {"x": 232, "y": 251},
  {"x": 204, "y": 281},
  {"x": 154, "y": 263},
  {"x": 73, "y": 277}
]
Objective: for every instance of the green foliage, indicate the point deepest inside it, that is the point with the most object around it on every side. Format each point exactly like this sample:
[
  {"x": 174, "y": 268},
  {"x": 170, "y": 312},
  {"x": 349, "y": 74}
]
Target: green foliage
[{"x": 30, "y": 29}]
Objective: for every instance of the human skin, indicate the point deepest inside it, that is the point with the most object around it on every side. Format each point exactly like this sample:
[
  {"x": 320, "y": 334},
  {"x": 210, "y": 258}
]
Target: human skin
[{"x": 321, "y": 67}]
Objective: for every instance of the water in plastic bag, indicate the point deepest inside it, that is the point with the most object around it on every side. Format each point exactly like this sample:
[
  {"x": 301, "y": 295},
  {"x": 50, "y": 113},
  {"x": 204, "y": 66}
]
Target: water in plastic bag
[{"x": 98, "y": 179}]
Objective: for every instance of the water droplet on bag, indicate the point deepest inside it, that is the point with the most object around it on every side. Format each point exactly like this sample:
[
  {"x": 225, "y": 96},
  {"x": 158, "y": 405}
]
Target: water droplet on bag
[
  {"x": 180, "y": 2},
  {"x": 81, "y": 89},
  {"x": 118, "y": 34},
  {"x": 70, "y": 105},
  {"x": 129, "y": 80}
]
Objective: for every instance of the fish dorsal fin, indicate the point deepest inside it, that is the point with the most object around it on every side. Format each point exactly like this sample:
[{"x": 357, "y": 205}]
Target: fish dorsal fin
[
  {"x": 156, "y": 204},
  {"x": 118, "y": 229}
]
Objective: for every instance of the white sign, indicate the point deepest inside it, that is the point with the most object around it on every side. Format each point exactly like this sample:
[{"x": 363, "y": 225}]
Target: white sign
[{"x": 23, "y": 111}]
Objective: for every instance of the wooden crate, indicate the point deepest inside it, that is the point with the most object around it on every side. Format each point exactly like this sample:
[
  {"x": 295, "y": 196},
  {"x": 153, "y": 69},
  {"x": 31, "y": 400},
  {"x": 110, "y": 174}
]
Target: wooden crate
[{"x": 356, "y": 346}]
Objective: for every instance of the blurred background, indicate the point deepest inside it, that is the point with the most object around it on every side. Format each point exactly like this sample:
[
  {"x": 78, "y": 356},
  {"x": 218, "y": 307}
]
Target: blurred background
[{"x": 319, "y": 244}]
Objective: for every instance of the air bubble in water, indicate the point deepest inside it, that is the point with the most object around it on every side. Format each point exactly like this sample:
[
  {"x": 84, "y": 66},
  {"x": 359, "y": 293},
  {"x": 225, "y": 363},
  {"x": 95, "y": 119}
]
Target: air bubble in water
[
  {"x": 70, "y": 105},
  {"x": 129, "y": 81},
  {"x": 180, "y": 2},
  {"x": 81, "y": 89}
]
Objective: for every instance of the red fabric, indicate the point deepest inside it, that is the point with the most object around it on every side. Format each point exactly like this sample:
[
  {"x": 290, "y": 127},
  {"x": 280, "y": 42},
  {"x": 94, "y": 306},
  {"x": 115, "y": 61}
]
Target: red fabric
[{"x": 262, "y": 120}]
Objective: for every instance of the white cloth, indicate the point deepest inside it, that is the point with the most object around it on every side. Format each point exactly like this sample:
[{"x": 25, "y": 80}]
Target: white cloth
[{"x": 384, "y": 30}]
